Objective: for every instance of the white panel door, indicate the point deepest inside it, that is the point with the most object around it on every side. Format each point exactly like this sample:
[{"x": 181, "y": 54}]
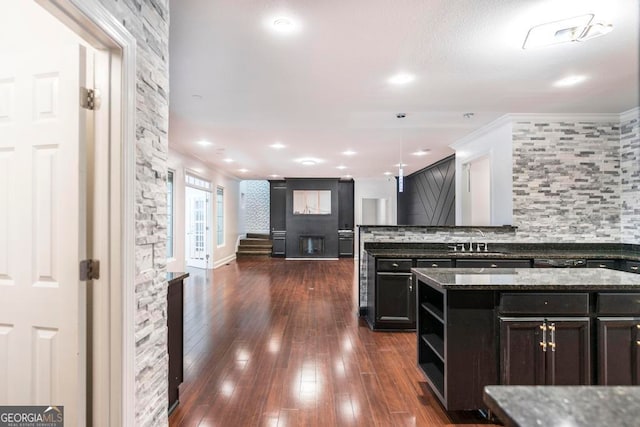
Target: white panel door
[
  {"x": 42, "y": 229},
  {"x": 198, "y": 230}
]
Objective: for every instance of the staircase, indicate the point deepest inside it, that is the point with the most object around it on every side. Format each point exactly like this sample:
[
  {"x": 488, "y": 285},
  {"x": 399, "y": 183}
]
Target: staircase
[{"x": 255, "y": 245}]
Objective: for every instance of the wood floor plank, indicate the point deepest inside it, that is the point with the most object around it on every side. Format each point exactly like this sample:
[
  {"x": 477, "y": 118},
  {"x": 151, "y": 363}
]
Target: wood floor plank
[{"x": 270, "y": 342}]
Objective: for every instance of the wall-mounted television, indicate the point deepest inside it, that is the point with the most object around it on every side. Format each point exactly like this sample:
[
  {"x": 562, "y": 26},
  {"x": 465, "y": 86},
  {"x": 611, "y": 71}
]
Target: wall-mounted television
[{"x": 312, "y": 202}]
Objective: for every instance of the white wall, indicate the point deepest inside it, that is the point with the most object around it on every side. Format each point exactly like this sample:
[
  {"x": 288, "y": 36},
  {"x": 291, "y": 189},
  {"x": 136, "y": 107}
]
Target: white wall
[
  {"x": 376, "y": 188},
  {"x": 181, "y": 163},
  {"x": 494, "y": 141}
]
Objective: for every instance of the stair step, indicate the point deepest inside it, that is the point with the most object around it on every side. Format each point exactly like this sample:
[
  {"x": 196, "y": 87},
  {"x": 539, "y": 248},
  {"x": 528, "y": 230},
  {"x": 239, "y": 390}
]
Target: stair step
[
  {"x": 256, "y": 242},
  {"x": 244, "y": 252},
  {"x": 258, "y": 236}
]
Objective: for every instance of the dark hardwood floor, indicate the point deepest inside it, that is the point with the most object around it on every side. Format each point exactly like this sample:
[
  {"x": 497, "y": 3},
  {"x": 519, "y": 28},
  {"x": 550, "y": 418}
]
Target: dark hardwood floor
[{"x": 270, "y": 342}]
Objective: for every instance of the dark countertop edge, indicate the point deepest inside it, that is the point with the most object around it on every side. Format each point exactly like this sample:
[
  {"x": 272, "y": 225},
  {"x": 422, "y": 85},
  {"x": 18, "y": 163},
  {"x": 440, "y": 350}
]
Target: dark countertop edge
[
  {"x": 628, "y": 256},
  {"x": 507, "y": 287},
  {"x": 495, "y": 407},
  {"x": 447, "y": 227},
  {"x": 175, "y": 276}
]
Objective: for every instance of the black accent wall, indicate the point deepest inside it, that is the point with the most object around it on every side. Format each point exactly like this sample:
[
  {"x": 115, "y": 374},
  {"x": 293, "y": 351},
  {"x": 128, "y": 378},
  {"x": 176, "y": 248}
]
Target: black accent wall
[
  {"x": 429, "y": 195},
  {"x": 312, "y": 225},
  {"x": 282, "y": 218}
]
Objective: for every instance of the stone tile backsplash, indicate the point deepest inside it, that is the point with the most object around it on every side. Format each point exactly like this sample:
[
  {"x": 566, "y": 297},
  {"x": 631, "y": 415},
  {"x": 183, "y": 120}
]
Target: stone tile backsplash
[
  {"x": 566, "y": 181},
  {"x": 630, "y": 182}
]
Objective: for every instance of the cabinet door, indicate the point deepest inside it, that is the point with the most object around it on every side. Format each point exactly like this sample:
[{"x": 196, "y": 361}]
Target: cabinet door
[
  {"x": 345, "y": 246},
  {"x": 279, "y": 246},
  {"x": 618, "y": 355},
  {"x": 395, "y": 298},
  {"x": 568, "y": 351},
  {"x": 522, "y": 357}
]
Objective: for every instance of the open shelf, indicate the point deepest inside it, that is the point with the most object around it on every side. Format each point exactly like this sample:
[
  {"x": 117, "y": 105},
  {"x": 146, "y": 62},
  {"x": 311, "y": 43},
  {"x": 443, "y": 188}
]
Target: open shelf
[
  {"x": 433, "y": 310},
  {"x": 436, "y": 344},
  {"x": 434, "y": 375}
]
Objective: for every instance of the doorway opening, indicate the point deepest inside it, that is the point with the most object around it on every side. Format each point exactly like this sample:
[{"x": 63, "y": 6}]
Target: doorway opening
[{"x": 197, "y": 228}]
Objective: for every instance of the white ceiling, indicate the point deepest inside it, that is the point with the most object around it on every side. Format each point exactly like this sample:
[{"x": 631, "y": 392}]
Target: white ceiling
[{"x": 324, "y": 89}]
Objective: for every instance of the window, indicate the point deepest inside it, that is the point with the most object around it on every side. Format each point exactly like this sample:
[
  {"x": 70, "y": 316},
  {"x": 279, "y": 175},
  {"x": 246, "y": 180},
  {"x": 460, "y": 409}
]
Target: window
[
  {"x": 170, "y": 214},
  {"x": 220, "y": 214}
]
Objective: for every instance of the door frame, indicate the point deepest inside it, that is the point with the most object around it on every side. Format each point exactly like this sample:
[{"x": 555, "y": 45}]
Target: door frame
[{"x": 114, "y": 328}]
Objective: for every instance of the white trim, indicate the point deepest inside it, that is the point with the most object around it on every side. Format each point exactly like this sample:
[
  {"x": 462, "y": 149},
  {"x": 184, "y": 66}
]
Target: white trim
[
  {"x": 211, "y": 168},
  {"x": 546, "y": 117},
  {"x": 94, "y": 22},
  {"x": 627, "y": 116},
  {"x": 480, "y": 132},
  {"x": 564, "y": 117},
  {"x": 224, "y": 261}
]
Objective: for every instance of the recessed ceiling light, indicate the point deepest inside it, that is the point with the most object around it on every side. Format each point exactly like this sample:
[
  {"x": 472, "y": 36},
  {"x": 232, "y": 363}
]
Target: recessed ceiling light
[
  {"x": 274, "y": 175},
  {"x": 243, "y": 170},
  {"x": 349, "y": 153},
  {"x": 422, "y": 152},
  {"x": 401, "y": 79},
  {"x": 341, "y": 167},
  {"x": 348, "y": 176},
  {"x": 284, "y": 25},
  {"x": 309, "y": 161},
  {"x": 563, "y": 31},
  {"x": 205, "y": 143},
  {"x": 388, "y": 173},
  {"x": 277, "y": 146},
  {"x": 400, "y": 165},
  {"x": 228, "y": 160},
  {"x": 570, "y": 81},
  {"x": 595, "y": 30}
]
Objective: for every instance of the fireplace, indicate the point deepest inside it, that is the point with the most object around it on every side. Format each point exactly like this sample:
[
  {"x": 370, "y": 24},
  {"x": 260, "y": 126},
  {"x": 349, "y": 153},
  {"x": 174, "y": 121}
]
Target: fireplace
[{"x": 311, "y": 245}]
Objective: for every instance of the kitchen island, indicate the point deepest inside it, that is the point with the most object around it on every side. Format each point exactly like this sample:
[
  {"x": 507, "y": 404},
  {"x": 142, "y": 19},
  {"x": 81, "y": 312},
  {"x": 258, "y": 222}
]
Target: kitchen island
[
  {"x": 529, "y": 406},
  {"x": 522, "y": 326}
]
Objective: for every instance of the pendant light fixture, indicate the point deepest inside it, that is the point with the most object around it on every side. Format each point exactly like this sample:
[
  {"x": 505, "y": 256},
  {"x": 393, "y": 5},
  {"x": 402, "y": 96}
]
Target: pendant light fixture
[{"x": 400, "y": 165}]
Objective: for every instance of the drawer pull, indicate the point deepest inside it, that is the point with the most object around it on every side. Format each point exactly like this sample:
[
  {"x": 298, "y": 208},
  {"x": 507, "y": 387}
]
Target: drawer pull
[
  {"x": 434, "y": 265},
  {"x": 552, "y": 344},
  {"x": 602, "y": 266},
  {"x": 494, "y": 266},
  {"x": 637, "y": 342},
  {"x": 543, "y": 343},
  {"x": 395, "y": 264},
  {"x": 634, "y": 267}
]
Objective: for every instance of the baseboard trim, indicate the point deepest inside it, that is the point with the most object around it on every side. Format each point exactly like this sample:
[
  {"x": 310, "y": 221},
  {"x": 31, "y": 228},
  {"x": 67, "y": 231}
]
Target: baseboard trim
[{"x": 224, "y": 261}]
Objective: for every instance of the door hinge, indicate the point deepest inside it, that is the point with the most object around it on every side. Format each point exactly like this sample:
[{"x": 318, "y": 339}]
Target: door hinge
[
  {"x": 89, "y": 269},
  {"x": 88, "y": 98}
]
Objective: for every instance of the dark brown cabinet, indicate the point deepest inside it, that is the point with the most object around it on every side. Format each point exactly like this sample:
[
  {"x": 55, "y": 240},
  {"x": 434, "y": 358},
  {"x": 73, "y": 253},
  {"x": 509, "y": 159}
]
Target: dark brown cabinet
[
  {"x": 493, "y": 263},
  {"x": 279, "y": 239},
  {"x": 395, "y": 303},
  {"x": 551, "y": 351},
  {"x": 603, "y": 263},
  {"x": 175, "y": 345},
  {"x": 391, "y": 294},
  {"x": 618, "y": 351}
]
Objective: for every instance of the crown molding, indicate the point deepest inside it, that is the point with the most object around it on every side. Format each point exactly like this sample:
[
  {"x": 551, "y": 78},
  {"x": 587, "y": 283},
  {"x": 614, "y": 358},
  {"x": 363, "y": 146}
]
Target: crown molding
[
  {"x": 499, "y": 122},
  {"x": 627, "y": 116}
]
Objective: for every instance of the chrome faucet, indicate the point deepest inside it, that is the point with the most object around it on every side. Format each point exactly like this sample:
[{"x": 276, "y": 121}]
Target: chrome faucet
[{"x": 479, "y": 243}]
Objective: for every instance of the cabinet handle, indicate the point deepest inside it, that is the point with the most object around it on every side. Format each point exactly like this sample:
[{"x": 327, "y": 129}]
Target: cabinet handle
[
  {"x": 494, "y": 266},
  {"x": 434, "y": 265},
  {"x": 410, "y": 284},
  {"x": 602, "y": 266},
  {"x": 552, "y": 344},
  {"x": 638, "y": 342},
  {"x": 543, "y": 343},
  {"x": 395, "y": 264},
  {"x": 634, "y": 267}
]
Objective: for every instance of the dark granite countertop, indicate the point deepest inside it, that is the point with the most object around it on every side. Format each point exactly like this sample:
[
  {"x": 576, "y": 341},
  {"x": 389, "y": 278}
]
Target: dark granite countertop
[
  {"x": 506, "y": 251},
  {"x": 570, "y": 406},
  {"x": 528, "y": 278},
  {"x": 175, "y": 276}
]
